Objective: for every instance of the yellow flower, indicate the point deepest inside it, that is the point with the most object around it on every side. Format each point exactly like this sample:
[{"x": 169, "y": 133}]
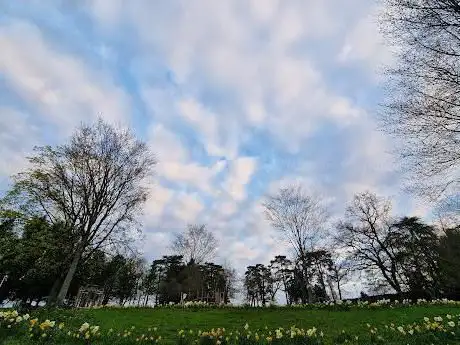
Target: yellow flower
[
  {"x": 61, "y": 325},
  {"x": 33, "y": 322},
  {"x": 269, "y": 339}
]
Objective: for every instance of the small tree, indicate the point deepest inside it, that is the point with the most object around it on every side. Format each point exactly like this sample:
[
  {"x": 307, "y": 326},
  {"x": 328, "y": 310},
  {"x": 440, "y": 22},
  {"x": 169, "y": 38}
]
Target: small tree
[
  {"x": 196, "y": 244},
  {"x": 301, "y": 219},
  {"x": 339, "y": 272},
  {"x": 95, "y": 185}
]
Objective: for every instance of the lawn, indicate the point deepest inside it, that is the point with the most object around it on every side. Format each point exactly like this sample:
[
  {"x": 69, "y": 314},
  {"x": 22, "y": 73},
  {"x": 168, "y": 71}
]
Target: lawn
[{"x": 169, "y": 321}]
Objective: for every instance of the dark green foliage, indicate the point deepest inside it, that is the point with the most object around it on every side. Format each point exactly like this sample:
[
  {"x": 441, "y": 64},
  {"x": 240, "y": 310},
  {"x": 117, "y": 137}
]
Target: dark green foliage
[{"x": 449, "y": 262}]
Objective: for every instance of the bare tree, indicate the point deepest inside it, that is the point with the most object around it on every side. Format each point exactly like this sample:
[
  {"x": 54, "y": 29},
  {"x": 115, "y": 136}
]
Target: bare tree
[
  {"x": 196, "y": 244},
  {"x": 301, "y": 219},
  {"x": 95, "y": 185},
  {"x": 340, "y": 271},
  {"x": 423, "y": 108},
  {"x": 447, "y": 212},
  {"x": 367, "y": 233}
]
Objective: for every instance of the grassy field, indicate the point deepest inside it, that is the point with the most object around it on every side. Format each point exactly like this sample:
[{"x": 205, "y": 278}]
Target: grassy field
[{"x": 169, "y": 321}]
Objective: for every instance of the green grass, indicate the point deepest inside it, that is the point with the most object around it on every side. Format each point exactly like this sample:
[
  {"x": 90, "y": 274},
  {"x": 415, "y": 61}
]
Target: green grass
[{"x": 169, "y": 321}]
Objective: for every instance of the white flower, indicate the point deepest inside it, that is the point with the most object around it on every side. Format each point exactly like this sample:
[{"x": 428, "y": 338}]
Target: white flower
[
  {"x": 18, "y": 319},
  {"x": 279, "y": 334},
  {"x": 438, "y": 318},
  {"x": 84, "y": 327},
  {"x": 246, "y": 326},
  {"x": 451, "y": 323},
  {"x": 311, "y": 331},
  {"x": 426, "y": 319},
  {"x": 26, "y": 317}
]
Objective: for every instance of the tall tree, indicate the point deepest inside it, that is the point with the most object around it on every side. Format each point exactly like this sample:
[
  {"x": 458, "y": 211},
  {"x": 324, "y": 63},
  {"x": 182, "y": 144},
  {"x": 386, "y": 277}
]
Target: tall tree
[
  {"x": 449, "y": 262},
  {"x": 423, "y": 107},
  {"x": 367, "y": 233},
  {"x": 301, "y": 219},
  {"x": 94, "y": 184},
  {"x": 416, "y": 246},
  {"x": 282, "y": 272},
  {"x": 321, "y": 263},
  {"x": 197, "y": 244},
  {"x": 259, "y": 284}
]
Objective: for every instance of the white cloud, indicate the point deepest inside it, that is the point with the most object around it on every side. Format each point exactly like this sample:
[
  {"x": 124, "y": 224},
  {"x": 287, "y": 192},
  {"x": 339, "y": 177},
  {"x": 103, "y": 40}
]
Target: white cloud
[
  {"x": 60, "y": 86},
  {"x": 17, "y": 139},
  {"x": 156, "y": 205},
  {"x": 364, "y": 42},
  {"x": 241, "y": 171},
  {"x": 166, "y": 144},
  {"x": 187, "y": 207},
  {"x": 250, "y": 55},
  {"x": 174, "y": 162},
  {"x": 206, "y": 125}
]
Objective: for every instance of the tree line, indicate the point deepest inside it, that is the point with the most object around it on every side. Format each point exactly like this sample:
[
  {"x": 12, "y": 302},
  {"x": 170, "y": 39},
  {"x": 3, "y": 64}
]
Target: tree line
[
  {"x": 33, "y": 255},
  {"x": 402, "y": 255}
]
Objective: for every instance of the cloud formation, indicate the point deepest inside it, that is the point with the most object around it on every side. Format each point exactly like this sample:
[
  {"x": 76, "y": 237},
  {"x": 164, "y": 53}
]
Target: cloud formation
[{"x": 235, "y": 97}]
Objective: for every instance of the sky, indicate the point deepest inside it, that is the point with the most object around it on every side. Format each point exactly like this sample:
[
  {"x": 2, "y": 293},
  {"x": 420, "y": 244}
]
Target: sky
[{"x": 235, "y": 97}]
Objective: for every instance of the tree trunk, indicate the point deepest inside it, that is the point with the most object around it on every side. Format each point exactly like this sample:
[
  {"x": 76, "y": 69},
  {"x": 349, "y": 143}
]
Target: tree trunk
[
  {"x": 339, "y": 290},
  {"x": 68, "y": 278},
  {"x": 54, "y": 291}
]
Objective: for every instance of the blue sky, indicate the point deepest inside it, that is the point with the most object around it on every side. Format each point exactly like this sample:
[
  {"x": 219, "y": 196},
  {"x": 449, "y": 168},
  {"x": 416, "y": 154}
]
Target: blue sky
[{"x": 236, "y": 98}]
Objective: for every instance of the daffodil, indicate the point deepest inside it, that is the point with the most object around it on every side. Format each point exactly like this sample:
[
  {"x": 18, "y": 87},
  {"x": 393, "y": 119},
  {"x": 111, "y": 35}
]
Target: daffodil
[{"x": 84, "y": 327}]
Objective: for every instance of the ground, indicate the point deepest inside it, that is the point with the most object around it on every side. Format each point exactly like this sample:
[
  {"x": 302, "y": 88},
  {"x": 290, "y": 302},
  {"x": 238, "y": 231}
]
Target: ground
[{"x": 169, "y": 321}]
